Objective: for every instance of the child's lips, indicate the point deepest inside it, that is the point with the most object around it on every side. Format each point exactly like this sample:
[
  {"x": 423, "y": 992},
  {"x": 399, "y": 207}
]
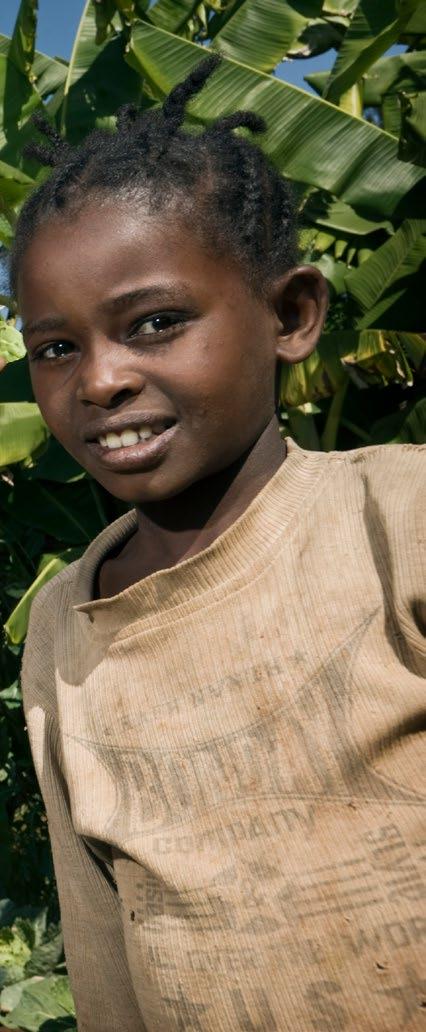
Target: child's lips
[{"x": 134, "y": 457}]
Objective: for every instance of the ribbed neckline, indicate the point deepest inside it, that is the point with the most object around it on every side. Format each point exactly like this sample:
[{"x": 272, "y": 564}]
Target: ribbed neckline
[{"x": 238, "y": 547}]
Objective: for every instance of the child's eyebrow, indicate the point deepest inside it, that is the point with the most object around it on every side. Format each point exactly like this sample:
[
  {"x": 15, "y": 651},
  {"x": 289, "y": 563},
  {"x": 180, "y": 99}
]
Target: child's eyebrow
[
  {"x": 156, "y": 292},
  {"x": 51, "y": 322}
]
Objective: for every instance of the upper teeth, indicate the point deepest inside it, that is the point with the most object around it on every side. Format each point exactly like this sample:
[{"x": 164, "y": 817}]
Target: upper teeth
[{"x": 126, "y": 437}]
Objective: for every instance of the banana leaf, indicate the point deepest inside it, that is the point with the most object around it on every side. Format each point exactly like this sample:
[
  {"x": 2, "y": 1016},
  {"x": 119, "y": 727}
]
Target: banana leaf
[
  {"x": 15, "y": 185},
  {"x": 261, "y": 32},
  {"x": 401, "y": 305},
  {"x": 12, "y": 346},
  {"x": 16, "y": 625},
  {"x": 403, "y": 71},
  {"x": 21, "y": 51},
  {"x": 309, "y": 140},
  {"x": 22, "y": 430},
  {"x": 18, "y": 101},
  {"x": 48, "y": 74},
  {"x": 328, "y": 211},
  {"x": 412, "y": 144},
  {"x": 367, "y": 283},
  {"x": 98, "y": 80},
  {"x": 371, "y": 32},
  {"x": 367, "y": 357},
  {"x": 172, "y": 15}
]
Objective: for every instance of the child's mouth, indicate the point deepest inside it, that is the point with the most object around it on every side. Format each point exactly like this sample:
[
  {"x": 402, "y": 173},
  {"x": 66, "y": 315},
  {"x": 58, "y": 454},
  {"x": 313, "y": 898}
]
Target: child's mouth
[{"x": 141, "y": 454}]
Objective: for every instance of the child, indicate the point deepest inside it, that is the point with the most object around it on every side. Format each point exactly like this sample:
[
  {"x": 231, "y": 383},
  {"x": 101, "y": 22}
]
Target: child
[{"x": 223, "y": 694}]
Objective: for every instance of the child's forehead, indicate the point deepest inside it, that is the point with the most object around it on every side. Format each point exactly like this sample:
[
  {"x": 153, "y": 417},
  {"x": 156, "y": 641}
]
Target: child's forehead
[{"x": 98, "y": 251}]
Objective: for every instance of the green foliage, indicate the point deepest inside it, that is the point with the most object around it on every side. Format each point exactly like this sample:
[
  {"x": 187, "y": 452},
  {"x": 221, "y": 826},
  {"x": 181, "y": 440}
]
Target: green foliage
[{"x": 355, "y": 153}]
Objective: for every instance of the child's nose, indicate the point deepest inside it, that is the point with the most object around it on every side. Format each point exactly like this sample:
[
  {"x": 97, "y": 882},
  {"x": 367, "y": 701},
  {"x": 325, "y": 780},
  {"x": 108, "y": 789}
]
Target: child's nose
[{"x": 107, "y": 375}]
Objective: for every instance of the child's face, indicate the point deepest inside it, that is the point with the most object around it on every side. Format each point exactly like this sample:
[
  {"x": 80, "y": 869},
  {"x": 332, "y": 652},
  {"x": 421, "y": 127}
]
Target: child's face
[{"x": 140, "y": 321}]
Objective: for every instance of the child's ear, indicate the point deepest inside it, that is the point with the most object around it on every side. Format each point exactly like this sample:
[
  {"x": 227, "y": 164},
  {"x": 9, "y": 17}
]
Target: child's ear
[{"x": 300, "y": 300}]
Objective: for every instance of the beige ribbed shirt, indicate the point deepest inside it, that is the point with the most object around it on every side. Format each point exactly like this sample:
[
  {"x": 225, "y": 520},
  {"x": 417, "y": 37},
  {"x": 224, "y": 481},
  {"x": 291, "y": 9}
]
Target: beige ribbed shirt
[{"x": 230, "y": 756}]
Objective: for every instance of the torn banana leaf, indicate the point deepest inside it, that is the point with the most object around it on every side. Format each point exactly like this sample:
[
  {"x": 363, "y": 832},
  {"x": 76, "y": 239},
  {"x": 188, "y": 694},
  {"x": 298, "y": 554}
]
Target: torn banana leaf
[{"x": 368, "y": 357}]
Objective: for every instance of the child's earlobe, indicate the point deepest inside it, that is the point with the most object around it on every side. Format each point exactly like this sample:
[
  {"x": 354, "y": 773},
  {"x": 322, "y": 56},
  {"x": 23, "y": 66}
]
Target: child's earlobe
[{"x": 300, "y": 299}]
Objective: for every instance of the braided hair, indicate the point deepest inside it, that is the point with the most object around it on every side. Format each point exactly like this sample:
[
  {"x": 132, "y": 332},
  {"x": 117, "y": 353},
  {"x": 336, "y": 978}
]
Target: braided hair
[{"x": 243, "y": 205}]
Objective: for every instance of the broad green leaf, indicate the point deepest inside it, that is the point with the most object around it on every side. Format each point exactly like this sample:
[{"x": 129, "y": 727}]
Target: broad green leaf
[
  {"x": 368, "y": 357},
  {"x": 22, "y": 430},
  {"x": 403, "y": 71},
  {"x": 11, "y": 994},
  {"x": 333, "y": 270},
  {"x": 416, "y": 26},
  {"x": 18, "y": 101},
  {"x": 14, "y": 185},
  {"x": 172, "y": 15},
  {"x": 392, "y": 74},
  {"x": 21, "y": 50},
  {"x": 401, "y": 305},
  {"x": 98, "y": 80},
  {"x": 12, "y": 346},
  {"x": 328, "y": 211},
  {"x": 412, "y": 143},
  {"x": 48, "y": 73},
  {"x": 307, "y": 139},
  {"x": 261, "y": 32},
  {"x": 318, "y": 36},
  {"x": 16, "y": 625},
  {"x": 376, "y": 356},
  {"x": 14, "y": 954},
  {"x": 373, "y": 29},
  {"x": 368, "y": 282},
  {"x": 41, "y": 1001}
]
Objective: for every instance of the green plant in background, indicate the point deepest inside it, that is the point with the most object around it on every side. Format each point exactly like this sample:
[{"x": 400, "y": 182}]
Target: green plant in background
[{"x": 355, "y": 152}]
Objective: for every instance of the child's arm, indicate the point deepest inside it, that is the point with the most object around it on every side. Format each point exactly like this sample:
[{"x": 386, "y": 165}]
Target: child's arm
[{"x": 90, "y": 907}]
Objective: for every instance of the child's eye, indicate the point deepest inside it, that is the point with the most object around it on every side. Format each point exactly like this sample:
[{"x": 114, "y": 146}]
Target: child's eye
[
  {"x": 42, "y": 353},
  {"x": 155, "y": 324}
]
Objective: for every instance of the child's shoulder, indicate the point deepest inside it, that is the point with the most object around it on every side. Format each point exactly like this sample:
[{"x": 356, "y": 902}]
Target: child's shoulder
[{"x": 395, "y": 469}]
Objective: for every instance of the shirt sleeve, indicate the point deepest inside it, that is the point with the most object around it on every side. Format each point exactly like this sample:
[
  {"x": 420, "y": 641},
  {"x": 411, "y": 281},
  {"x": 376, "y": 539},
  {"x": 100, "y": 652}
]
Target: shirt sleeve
[{"x": 89, "y": 902}]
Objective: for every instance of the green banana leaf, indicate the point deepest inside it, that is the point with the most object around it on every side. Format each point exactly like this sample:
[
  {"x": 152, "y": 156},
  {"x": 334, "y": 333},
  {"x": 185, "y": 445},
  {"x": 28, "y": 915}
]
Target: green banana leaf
[
  {"x": 367, "y": 357},
  {"x": 14, "y": 185},
  {"x": 261, "y": 32},
  {"x": 412, "y": 144},
  {"x": 309, "y": 140},
  {"x": 371, "y": 32},
  {"x": 401, "y": 305},
  {"x": 16, "y": 625},
  {"x": 324, "y": 210},
  {"x": 172, "y": 15},
  {"x": 22, "y": 43},
  {"x": 403, "y": 71},
  {"x": 46, "y": 1004},
  {"x": 367, "y": 283},
  {"x": 12, "y": 346},
  {"x": 98, "y": 80},
  {"x": 22, "y": 430},
  {"x": 18, "y": 101}
]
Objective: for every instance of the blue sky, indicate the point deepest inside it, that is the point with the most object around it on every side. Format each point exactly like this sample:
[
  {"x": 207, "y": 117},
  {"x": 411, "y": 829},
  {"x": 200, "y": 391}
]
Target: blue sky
[{"x": 58, "y": 21}]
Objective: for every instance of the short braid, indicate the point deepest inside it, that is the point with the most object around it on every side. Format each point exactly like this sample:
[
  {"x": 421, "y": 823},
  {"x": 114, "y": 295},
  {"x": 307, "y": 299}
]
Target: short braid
[{"x": 175, "y": 104}]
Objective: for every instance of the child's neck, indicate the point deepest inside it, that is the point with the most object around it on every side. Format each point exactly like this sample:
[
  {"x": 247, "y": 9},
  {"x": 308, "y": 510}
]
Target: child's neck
[{"x": 169, "y": 532}]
